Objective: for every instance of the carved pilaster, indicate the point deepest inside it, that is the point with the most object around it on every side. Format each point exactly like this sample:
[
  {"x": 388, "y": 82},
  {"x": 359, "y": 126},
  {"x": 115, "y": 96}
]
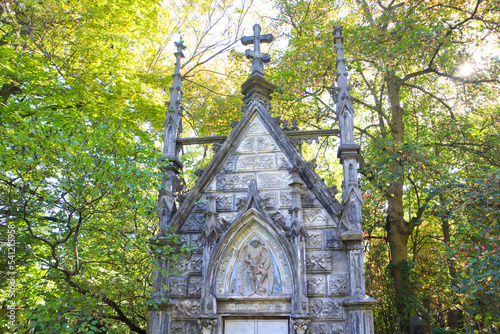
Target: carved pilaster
[{"x": 298, "y": 235}]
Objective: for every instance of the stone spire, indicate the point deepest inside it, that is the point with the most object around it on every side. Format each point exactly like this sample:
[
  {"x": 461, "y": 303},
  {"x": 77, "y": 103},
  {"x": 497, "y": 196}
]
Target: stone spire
[
  {"x": 171, "y": 166},
  {"x": 358, "y": 304},
  {"x": 256, "y": 87},
  {"x": 348, "y": 151}
]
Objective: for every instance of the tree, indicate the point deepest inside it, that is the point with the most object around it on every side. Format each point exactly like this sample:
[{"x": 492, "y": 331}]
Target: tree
[{"x": 405, "y": 58}]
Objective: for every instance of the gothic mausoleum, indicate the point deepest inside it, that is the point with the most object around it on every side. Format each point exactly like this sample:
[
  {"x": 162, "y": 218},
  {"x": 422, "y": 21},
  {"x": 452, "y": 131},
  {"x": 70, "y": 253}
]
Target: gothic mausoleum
[{"x": 274, "y": 252}]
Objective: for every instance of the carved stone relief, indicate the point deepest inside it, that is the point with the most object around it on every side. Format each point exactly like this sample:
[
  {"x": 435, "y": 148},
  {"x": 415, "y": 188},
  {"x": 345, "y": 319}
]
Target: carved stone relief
[
  {"x": 249, "y": 268},
  {"x": 268, "y": 200},
  {"x": 188, "y": 265},
  {"x": 283, "y": 162},
  {"x": 246, "y": 145},
  {"x": 256, "y": 127},
  {"x": 194, "y": 222},
  {"x": 196, "y": 242},
  {"x": 193, "y": 328},
  {"x": 230, "y": 165},
  {"x": 255, "y": 162},
  {"x": 255, "y": 270},
  {"x": 309, "y": 199},
  {"x": 314, "y": 239},
  {"x": 327, "y": 328},
  {"x": 325, "y": 309},
  {"x": 200, "y": 205},
  {"x": 224, "y": 202},
  {"x": 186, "y": 309},
  {"x": 333, "y": 240},
  {"x": 319, "y": 262},
  {"x": 274, "y": 180},
  {"x": 337, "y": 284},
  {"x": 232, "y": 182},
  {"x": 266, "y": 144},
  {"x": 317, "y": 218},
  {"x": 194, "y": 286},
  {"x": 176, "y": 287},
  {"x": 176, "y": 328},
  {"x": 316, "y": 285},
  {"x": 285, "y": 199},
  {"x": 278, "y": 219},
  {"x": 301, "y": 325}
]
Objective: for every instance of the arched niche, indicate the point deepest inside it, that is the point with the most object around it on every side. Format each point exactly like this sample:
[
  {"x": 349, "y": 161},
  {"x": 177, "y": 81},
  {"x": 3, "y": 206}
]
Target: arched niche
[{"x": 251, "y": 249}]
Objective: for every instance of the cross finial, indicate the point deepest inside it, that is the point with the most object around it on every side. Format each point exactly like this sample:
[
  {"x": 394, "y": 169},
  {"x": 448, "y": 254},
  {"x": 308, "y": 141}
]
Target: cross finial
[
  {"x": 258, "y": 57},
  {"x": 180, "y": 47}
]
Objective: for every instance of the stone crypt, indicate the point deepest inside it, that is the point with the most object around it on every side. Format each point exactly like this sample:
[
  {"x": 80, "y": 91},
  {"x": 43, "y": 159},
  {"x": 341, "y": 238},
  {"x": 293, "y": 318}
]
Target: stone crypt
[{"x": 273, "y": 250}]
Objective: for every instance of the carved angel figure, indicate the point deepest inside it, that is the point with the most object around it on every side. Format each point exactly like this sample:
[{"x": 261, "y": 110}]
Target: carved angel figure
[{"x": 255, "y": 269}]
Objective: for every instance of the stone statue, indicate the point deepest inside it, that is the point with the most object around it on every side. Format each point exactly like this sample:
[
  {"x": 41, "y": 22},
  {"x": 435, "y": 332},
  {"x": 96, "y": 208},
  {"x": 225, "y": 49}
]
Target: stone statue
[{"x": 255, "y": 269}]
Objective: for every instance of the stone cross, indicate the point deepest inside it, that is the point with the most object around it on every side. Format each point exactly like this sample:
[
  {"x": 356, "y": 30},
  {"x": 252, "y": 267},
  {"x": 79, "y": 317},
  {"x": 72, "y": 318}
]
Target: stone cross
[
  {"x": 258, "y": 57},
  {"x": 180, "y": 46}
]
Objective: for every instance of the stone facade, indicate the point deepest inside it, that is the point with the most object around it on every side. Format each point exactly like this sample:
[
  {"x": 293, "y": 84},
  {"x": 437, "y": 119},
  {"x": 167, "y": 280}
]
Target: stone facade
[{"x": 271, "y": 244}]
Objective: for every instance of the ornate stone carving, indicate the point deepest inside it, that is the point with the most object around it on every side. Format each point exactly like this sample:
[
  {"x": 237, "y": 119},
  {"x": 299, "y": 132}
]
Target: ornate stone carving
[
  {"x": 186, "y": 309},
  {"x": 333, "y": 241},
  {"x": 229, "y": 166},
  {"x": 278, "y": 219},
  {"x": 267, "y": 200},
  {"x": 316, "y": 285},
  {"x": 176, "y": 287},
  {"x": 274, "y": 180},
  {"x": 319, "y": 262},
  {"x": 224, "y": 202},
  {"x": 316, "y": 218},
  {"x": 193, "y": 328},
  {"x": 240, "y": 203},
  {"x": 283, "y": 162},
  {"x": 337, "y": 284},
  {"x": 327, "y": 328},
  {"x": 216, "y": 146},
  {"x": 246, "y": 145},
  {"x": 266, "y": 144},
  {"x": 194, "y": 286},
  {"x": 325, "y": 309},
  {"x": 333, "y": 191},
  {"x": 231, "y": 182},
  {"x": 223, "y": 224},
  {"x": 308, "y": 199},
  {"x": 207, "y": 325},
  {"x": 256, "y": 127},
  {"x": 188, "y": 265},
  {"x": 194, "y": 223},
  {"x": 201, "y": 205},
  {"x": 176, "y": 328},
  {"x": 314, "y": 239},
  {"x": 255, "y": 162},
  {"x": 255, "y": 270},
  {"x": 285, "y": 199},
  {"x": 196, "y": 242},
  {"x": 301, "y": 325}
]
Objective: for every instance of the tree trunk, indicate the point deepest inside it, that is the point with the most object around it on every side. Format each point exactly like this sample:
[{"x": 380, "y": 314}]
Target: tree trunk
[
  {"x": 398, "y": 230},
  {"x": 454, "y": 315}
]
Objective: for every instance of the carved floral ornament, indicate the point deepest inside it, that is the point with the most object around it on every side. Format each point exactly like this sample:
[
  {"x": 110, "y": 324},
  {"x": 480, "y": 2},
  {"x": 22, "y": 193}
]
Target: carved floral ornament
[{"x": 253, "y": 263}]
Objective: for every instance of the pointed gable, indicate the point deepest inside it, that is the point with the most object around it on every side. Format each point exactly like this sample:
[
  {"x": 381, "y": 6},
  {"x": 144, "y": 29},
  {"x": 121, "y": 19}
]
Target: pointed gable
[{"x": 257, "y": 149}]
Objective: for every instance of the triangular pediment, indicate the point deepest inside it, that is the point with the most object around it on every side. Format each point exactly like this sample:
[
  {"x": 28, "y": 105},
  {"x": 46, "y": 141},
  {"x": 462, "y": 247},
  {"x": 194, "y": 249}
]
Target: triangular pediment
[{"x": 256, "y": 149}]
